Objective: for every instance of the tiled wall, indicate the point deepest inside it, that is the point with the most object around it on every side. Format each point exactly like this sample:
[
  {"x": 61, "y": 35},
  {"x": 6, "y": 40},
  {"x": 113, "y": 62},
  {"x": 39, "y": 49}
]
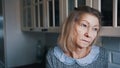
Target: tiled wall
[{"x": 113, "y": 45}]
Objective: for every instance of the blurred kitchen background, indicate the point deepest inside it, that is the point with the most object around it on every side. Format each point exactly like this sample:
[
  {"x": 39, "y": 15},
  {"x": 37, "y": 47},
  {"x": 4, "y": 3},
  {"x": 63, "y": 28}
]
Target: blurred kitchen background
[{"x": 28, "y": 28}]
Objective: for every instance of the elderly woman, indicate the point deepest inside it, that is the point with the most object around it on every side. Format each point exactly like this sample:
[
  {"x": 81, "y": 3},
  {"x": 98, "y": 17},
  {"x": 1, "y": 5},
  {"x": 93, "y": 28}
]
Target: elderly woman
[{"x": 75, "y": 47}]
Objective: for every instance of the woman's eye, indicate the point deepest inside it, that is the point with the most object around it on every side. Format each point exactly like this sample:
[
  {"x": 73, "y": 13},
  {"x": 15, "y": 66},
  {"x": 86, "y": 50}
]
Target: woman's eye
[
  {"x": 83, "y": 25},
  {"x": 95, "y": 29}
]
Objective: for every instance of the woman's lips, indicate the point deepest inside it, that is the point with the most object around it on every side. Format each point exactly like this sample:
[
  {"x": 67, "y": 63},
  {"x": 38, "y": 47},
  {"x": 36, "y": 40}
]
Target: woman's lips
[{"x": 86, "y": 41}]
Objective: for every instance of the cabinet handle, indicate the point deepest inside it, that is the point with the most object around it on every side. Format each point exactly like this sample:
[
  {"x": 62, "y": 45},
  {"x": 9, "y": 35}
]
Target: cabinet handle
[
  {"x": 44, "y": 29},
  {"x": 31, "y": 29}
]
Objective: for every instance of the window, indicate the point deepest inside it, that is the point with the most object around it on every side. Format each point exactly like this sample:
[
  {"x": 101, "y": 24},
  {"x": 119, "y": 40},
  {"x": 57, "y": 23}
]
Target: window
[
  {"x": 40, "y": 15},
  {"x": 106, "y": 9},
  {"x": 75, "y": 3},
  {"x": 53, "y": 13},
  {"x": 111, "y": 16},
  {"x": 27, "y": 14},
  {"x": 110, "y": 10}
]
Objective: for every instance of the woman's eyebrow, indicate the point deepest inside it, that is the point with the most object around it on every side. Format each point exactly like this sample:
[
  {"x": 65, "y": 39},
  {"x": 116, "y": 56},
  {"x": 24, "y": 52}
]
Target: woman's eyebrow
[
  {"x": 85, "y": 21},
  {"x": 89, "y": 23},
  {"x": 96, "y": 25}
]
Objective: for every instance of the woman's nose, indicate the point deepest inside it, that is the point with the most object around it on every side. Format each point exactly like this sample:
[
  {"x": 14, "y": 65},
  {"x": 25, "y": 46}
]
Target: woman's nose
[{"x": 87, "y": 33}]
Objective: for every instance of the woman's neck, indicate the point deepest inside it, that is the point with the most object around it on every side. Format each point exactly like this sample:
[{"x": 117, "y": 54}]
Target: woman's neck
[{"x": 79, "y": 53}]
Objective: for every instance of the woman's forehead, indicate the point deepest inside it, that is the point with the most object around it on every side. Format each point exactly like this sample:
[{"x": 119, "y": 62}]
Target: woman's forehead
[{"x": 89, "y": 19}]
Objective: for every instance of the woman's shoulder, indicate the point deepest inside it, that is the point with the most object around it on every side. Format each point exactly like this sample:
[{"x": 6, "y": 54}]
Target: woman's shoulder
[
  {"x": 50, "y": 50},
  {"x": 101, "y": 48},
  {"x": 53, "y": 49}
]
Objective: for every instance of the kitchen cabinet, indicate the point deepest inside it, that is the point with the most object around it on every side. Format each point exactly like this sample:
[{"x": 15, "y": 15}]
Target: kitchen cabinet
[
  {"x": 48, "y": 15},
  {"x": 111, "y": 16},
  {"x": 66, "y": 6},
  {"x": 40, "y": 15},
  {"x": 27, "y": 19},
  {"x": 110, "y": 10}
]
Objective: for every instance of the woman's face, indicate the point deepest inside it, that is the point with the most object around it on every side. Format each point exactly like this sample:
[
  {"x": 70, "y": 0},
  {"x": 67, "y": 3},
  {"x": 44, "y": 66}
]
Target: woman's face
[{"x": 87, "y": 30}]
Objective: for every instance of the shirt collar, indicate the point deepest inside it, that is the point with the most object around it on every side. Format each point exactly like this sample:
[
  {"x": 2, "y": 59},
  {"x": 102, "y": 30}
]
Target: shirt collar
[{"x": 92, "y": 56}]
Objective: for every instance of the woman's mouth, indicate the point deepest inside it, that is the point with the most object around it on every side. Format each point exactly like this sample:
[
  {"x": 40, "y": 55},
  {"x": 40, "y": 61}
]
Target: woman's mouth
[{"x": 86, "y": 41}]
